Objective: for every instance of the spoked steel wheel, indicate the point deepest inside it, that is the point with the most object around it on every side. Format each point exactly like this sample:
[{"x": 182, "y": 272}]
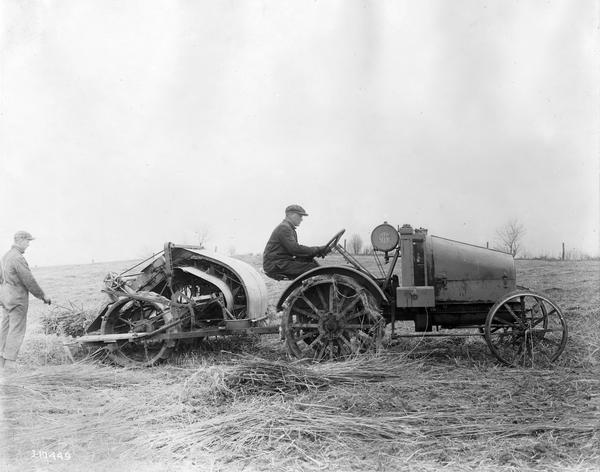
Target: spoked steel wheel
[
  {"x": 526, "y": 329},
  {"x": 136, "y": 316},
  {"x": 331, "y": 317}
]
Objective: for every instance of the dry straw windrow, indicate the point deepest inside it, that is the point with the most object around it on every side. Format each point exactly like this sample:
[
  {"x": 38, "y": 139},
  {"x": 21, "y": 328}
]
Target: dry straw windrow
[
  {"x": 248, "y": 375},
  {"x": 252, "y": 408}
]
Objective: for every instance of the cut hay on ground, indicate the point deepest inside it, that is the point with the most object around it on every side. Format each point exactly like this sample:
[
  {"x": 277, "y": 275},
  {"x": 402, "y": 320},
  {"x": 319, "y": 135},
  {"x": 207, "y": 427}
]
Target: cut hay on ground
[
  {"x": 251, "y": 375},
  {"x": 388, "y": 404}
]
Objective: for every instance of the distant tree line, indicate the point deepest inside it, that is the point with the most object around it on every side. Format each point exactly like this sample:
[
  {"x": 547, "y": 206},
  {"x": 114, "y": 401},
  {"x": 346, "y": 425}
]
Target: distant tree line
[{"x": 355, "y": 245}]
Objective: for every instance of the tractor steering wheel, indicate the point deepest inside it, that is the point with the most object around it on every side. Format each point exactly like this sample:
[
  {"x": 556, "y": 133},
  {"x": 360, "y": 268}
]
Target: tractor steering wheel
[{"x": 333, "y": 242}]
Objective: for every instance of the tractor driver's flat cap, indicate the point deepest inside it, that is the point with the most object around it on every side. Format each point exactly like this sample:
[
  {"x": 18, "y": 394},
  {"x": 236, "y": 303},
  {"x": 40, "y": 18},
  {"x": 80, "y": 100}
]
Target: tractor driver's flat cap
[
  {"x": 20, "y": 235},
  {"x": 296, "y": 209}
]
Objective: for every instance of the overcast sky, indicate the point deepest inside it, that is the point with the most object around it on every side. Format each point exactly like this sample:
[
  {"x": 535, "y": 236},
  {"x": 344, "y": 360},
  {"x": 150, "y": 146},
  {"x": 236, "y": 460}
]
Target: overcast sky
[{"x": 126, "y": 124}]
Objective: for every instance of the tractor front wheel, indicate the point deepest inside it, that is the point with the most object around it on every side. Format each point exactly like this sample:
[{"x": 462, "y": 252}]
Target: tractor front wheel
[{"x": 526, "y": 329}]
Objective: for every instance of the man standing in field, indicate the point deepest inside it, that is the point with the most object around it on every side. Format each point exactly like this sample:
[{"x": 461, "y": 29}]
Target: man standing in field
[
  {"x": 283, "y": 257},
  {"x": 17, "y": 282}
]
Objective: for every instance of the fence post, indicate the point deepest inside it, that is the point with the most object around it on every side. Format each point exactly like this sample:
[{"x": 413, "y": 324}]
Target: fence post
[{"x": 563, "y": 251}]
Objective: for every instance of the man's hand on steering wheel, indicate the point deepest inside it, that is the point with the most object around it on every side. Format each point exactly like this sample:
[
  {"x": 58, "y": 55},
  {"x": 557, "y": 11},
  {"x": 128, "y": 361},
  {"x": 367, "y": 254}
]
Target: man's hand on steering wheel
[{"x": 321, "y": 251}]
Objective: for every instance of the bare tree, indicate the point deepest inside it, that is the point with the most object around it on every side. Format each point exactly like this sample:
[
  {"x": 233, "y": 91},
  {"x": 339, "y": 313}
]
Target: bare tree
[
  {"x": 203, "y": 235},
  {"x": 510, "y": 236},
  {"x": 356, "y": 243}
]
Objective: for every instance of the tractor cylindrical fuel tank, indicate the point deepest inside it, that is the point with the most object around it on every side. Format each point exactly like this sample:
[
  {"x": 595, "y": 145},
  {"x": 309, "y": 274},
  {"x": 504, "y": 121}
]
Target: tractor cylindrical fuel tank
[{"x": 465, "y": 273}]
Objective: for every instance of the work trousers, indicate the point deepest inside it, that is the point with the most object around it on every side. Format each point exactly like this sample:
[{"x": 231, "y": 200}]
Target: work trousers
[
  {"x": 12, "y": 331},
  {"x": 292, "y": 268}
]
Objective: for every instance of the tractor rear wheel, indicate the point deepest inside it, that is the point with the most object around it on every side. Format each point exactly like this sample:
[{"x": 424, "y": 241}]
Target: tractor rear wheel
[{"x": 331, "y": 317}]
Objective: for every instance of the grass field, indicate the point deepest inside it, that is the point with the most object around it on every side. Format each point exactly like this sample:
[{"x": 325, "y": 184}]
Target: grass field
[{"x": 240, "y": 404}]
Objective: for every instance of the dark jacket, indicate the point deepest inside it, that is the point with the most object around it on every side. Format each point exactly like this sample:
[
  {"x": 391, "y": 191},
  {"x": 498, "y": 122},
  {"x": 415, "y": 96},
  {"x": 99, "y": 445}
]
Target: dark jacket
[
  {"x": 16, "y": 280},
  {"x": 283, "y": 246}
]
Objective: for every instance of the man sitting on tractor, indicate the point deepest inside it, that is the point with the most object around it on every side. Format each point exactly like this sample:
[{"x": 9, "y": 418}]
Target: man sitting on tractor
[{"x": 283, "y": 257}]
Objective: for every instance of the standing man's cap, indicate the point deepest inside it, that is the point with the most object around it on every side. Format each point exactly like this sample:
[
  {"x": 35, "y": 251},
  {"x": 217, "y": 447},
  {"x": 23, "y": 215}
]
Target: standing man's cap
[
  {"x": 296, "y": 209},
  {"x": 23, "y": 235}
]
